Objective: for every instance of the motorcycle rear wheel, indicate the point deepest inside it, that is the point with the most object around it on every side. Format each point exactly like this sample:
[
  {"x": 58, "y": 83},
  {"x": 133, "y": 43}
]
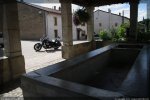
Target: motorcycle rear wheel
[{"x": 37, "y": 46}]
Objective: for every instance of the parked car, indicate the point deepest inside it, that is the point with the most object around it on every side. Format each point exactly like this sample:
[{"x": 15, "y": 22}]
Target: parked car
[{"x": 1, "y": 40}]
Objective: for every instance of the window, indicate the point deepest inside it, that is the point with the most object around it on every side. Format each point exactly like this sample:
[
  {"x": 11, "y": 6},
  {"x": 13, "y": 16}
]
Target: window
[
  {"x": 55, "y": 21},
  {"x": 56, "y": 33},
  {"x": 116, "y": 24},
  {"x": 100, "y": 24}
]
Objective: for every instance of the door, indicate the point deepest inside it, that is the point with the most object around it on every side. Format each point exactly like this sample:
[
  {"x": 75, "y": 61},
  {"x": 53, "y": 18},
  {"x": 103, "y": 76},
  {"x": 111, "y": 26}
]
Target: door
[{"x": 78, "y": 34}]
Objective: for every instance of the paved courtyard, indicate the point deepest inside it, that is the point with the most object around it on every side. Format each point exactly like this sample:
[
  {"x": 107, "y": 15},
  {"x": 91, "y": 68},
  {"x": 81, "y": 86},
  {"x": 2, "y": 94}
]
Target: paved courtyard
[{"x": 34, "y": 60}]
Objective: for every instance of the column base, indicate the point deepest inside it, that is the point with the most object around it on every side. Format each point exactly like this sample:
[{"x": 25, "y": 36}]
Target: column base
[
  {"x": 67, "y": 52},
  {"x": 11, "y": 68},
  {"x": 78, "y": 49}
]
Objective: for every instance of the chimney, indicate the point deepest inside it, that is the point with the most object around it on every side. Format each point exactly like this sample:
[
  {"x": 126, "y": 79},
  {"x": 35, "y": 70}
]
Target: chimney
[
  {"x": 119, "y": 14},
  {"x": 109, "y": 10}
]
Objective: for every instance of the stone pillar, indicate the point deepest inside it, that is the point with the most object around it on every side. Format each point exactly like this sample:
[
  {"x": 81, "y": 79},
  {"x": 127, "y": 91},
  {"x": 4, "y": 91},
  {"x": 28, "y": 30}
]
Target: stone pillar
[
  {"x": 133, "y": 19},
  {"x": 1, "y": 17},
  {"x": 90, "y": 24},
  {"x": 66, "y": 12},
  {"x": 1, "y": 53},
  {"x": 12, "y": 43}
]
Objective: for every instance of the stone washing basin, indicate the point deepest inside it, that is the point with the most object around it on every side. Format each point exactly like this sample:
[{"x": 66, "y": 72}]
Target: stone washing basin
[{"x": 117, "y": 70}]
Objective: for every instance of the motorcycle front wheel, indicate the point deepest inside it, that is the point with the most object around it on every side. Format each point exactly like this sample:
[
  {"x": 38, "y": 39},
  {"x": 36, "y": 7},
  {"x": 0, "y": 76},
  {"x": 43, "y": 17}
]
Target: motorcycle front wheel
[{"x": 37, "y": 46}]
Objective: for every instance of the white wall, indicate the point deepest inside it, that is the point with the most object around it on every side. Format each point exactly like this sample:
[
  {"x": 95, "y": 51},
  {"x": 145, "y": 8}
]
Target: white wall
[
  {"x": 74, "y": 29},
  {"x": 107, "y": 20},
  {"x": 103, "y": 18},
  {"x": 50, "y": 27}
]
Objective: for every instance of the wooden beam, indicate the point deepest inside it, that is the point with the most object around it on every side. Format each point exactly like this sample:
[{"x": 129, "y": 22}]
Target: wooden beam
[{"x": 98, "y": 2}]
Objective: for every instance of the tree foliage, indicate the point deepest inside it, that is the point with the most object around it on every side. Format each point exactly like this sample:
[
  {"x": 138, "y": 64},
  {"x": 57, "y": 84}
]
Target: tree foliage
[
  {"x": 104, "y": 35},
  {"x": 80, "y": 16},
  {"x": 119, "y": 34}
]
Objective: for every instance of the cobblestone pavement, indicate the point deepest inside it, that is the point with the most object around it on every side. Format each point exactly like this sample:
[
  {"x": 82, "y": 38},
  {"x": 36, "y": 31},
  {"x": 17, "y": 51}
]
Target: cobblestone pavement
[
  {"x": 35, "y": 60},
  {"x": 17, "y": 92}
]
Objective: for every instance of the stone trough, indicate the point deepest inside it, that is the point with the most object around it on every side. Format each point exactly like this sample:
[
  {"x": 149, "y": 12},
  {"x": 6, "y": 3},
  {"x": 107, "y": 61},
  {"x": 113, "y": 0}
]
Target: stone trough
[{"x": 117, "y": 70}]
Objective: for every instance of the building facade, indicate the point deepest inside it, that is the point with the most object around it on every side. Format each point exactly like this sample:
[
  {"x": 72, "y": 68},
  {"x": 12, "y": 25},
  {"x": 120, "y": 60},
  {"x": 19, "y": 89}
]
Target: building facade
[
  {"x": 106, "y": 20},
  {"x": 36, "y": 21},
  {"x": 31, "y": 22},
  {"x": 54, "y": 26}
]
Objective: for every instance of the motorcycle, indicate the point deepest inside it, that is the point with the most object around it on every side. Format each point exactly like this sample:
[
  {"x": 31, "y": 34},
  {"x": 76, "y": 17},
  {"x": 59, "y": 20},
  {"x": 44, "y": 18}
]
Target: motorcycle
[{"x": 47, "y": 44}]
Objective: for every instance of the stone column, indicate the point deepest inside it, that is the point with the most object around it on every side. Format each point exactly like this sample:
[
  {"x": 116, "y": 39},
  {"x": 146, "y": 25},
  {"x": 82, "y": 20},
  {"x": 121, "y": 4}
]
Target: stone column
[
  {"x": 66, "y": 12},
  {"x": 1, "y": 17},
  {"x": 90, "y": 24},
  {"x": 133, "y": 19},
  {"x": 12, "y": 41},
  {"x": 1, "y": 52}
]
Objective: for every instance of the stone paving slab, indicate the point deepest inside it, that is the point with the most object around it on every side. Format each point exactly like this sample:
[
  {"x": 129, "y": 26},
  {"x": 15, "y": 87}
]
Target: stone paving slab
[
  {"x": 17, "y": 92},
  {"x": 33, "y": 61}
]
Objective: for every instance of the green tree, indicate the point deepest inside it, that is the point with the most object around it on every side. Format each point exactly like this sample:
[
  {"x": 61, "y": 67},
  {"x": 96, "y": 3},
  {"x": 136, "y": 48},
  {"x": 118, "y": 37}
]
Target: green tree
[
  {"x": 104, "y": 35},
  {"x": 119, "y": 34},
  {"x": 146, "y": 22}
]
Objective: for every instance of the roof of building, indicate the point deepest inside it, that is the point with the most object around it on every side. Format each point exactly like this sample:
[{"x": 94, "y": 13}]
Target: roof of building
[
  {"x": 58, "y": 11},
  {"x": 112, "y": 13},
  {"x": 43, "y": 8}
]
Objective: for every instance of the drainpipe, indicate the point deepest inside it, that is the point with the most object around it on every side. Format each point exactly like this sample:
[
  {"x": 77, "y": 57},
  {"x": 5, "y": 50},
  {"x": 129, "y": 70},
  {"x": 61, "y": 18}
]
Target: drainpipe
[
  {"x": 46, "y": 23},
  {"x": 109, "y": 20},
  {"x": 123, "y": 17}
]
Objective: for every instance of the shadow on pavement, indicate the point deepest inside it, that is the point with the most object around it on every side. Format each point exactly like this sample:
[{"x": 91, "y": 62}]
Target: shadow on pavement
[
  {"x": 1, "y": 52},
  {"x": 52, "y": 50},
  {"x": 4, "y": 88},
  {"x": 49, "y": 51}
]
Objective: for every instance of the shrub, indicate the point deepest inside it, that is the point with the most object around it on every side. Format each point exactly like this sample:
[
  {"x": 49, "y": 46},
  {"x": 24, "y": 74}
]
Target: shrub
[
  {"x": 143, "y": 37},
  {"x": 104, "y": 35},
  {"x": 125, "y": 25},
  {"x": 119, "y": 34}
]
